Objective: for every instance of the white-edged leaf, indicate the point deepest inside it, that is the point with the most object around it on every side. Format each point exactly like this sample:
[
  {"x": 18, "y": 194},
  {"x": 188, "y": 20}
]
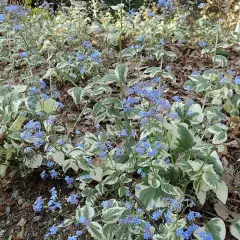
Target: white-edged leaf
[
  {"x": 222, "y": 192},
  {"x": 95, "y": 230},
  {"x": 112, "y": 215},
  {"x": 77, "y": 94},
  {"x": 121, "y": 72},
  {"x": 221, "y": 60},
  {"x": 235, "y": 229}
]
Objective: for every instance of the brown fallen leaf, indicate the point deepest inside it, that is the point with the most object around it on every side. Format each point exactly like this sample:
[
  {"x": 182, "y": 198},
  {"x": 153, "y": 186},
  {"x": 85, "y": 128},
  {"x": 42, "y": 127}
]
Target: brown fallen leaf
[{"x": 221, "y": 210}]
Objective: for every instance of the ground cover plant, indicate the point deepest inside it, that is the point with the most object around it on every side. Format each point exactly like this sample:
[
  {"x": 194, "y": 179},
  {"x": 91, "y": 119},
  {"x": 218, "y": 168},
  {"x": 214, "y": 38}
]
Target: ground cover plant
[{"x": 120, "y": 121}]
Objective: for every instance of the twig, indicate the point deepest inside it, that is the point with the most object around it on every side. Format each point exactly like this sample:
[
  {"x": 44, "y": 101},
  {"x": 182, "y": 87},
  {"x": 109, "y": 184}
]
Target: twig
[{"x": 146, "y": 211}]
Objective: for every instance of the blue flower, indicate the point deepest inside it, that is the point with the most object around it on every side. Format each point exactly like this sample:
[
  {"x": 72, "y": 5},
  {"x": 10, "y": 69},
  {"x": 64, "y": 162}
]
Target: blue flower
[
  {"x": 132, "y": 12},
  {"x": 17, "y": 27},
  {"x": 223, "y": 81},
  {"x": 43, "y": 174},
  {"x": 202, "y": 44},
  {"x": 38, "y": 205},
  {"x": 77, "y": 132},
  {"x": 82, "y": 220},
  {"x": 179, "y": 232},
  {"x": 105, "y": 204},
  {"x": 162, "y": 42},
  {"x": 87, "y": 44},
  {"x": 202, "y": 5},
  {"x": 140, "y": 38},
  {"x": 176, "y": 99},
  {"x": 80, "y": 57},
  {"x": 73, "y": 199},
  {"x": 50, "y": 163},
  {"x": 128, "y": 205},
  {"x": 150, "y": 14},
  {"x": 23, "y": 54},
  {"x": 2, "y": 18},
  {"x": 153, "y": 152},
  {"x": 69, "y": 180},
  {"x": 53, "y": 229},
  {"x": 79, "y": 233},
  {"x": 39, "y": 134},
  {"x": 156, "y": 215},
  {"x": 60, "y": 141},
  {"x": 72, "y": 238},
  {"x": 237, "y": 80},
  {"x": 59, "y": 105},
  {"x": 118, "y": 152},
  {"x": 123, "y": 133},
  {"x": 27, "y": 149},
  {"x": 44, "y": 96},
  {"x": 53, "y": 173}
]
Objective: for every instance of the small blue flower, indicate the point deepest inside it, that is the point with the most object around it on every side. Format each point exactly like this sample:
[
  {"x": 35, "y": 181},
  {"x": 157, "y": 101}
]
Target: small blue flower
[
  {"x": 156, "y": 215},
  {"x": 73, "y": 199},
  {"x": 69, "y": 180},
  {"x": 50, "y": 163},
  {"x": 60, "y": 141},
  {"x": 128, "y": 205},
  {"x": 23, "y": 54},
  {"x": 27, "y": 149},
  {"x": 53, "y": 173},
  {"x": 123, "y": 133},
  {"x": 53, "y": 230},
  {"x": 43, "y": 174},
  {"x": 202, "y": 44},
  {"x": 132, "y": 12},
  {"x": 105, "y": 204},
  {"x": 2, "y": 18},
  {"x": 17, "y": 27},
  {"x": 223, "y": 81},
  {"x": 38, "y": 205},
  {"x": 202, "y": 5},
  {"x": 77, "y": 132}
]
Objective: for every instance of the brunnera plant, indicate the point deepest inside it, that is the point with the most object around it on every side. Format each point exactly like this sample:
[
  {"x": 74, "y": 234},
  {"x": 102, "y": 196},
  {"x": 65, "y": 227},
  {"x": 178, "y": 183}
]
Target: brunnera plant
[{"x": 151, "y": 157}]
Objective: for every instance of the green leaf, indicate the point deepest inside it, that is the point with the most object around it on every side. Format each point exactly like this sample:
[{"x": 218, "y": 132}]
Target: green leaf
[
  {"x": 217, "y": 228},
  {"x": 185, "y": 139},
  {"x": 109, "y": 78},
  {"x": 210, "y": 177},
  {"x": 96, "y": 174},
  {"x": 235, "y": 229},
  {"x": 109, "y": 230},
  {"x": 221, "y": 60},
  {"x": 48, "y": 106},
  {"x": 171, "y": 54},
  {"x": 77, "y": 94},
  {"x": 222, "y": 192},
  {"x": 17, "y": 124},
  {"x": 95, "y": 230},
  {"x": 220, "y": 137},
  {"x": 86, "y": 211},
  {"x": 113, "y": 113},
  {"x": 148, "y": 195},
  {"x": 33, "y": 162},
  {"x": 112, "y": 215},
  {"x": 153, "y": 71},
  {"x": 113, "y": 101},
  {"x": 169, "y": 189},
  {"x": 159, "y": 54},
  {"x": 121, "y": 72},
  {"x": 129, "y": 52},
  {"x": 169, "y": 75}
]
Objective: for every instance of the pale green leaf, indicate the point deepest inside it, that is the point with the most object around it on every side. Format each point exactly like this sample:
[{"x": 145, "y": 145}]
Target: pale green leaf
[
  {"x": 235, "y": 229},
  {"x": 112, "y": 215}
]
